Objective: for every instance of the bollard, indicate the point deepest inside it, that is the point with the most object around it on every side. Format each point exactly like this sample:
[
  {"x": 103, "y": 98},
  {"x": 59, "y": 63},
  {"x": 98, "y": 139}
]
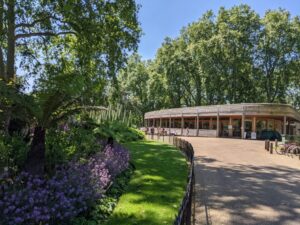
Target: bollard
[
  {"x": 268, "y": 145},
  {"x": 276, "y": 143},
  {"x": 265, "y": 144},
  {"x": 271, "y": 148}
]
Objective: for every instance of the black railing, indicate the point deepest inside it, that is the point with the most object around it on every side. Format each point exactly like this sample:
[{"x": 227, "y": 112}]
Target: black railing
[{"x": 185, "y": 213}]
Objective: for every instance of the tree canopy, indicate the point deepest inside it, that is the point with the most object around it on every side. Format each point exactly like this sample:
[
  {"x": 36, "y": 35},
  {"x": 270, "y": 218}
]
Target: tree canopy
[
  {"x": 235, "y": 56},
  {"x": 71, "y": 48}
]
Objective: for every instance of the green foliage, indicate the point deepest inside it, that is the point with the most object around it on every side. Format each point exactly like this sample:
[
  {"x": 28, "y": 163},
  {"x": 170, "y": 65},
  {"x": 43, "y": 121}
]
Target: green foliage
[
  {"x": 78, "y": 59},
  {"x": 235, "y": 56},
  {"x": 5, "y": 154},
  {"x": 57, "y": 29},
  {"x": 114, "y": 122},
  {"x": 111, "y": 114},
  {"x": 118, "y": 131},
  {"x": 63, "y": 146},
  {"x": 13, "y": 152}
]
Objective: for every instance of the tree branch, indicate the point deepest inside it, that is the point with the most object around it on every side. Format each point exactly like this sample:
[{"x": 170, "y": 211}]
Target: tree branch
[
  {"x": 30, "y": 25},
  {"x": 2, "y": 70},
  {"x": 42, "y": 34}
]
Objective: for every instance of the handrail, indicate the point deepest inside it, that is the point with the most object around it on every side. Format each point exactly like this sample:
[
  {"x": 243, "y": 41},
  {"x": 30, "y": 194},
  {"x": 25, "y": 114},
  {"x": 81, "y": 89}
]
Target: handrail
[{"x": 184, "y": 216}]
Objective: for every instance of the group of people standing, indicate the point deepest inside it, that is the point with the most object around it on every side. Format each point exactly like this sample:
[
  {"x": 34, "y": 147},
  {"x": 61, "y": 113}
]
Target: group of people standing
[{"x": 161, "y": 131}]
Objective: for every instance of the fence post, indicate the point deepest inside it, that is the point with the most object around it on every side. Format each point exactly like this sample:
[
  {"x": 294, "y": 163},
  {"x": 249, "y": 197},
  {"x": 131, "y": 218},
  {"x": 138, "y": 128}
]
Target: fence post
[
  {"x": 265, "y": 144},
  {"x": 271, "y": 148}
]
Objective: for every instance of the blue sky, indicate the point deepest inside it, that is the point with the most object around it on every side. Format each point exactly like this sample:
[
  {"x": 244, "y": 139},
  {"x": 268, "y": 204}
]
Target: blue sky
[{"x": 162, "y": 18}]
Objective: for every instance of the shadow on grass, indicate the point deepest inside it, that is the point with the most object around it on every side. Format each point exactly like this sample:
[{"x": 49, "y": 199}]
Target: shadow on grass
[
  {"x": 248, "y": 194},
  {"x": 156, "y": 188}
]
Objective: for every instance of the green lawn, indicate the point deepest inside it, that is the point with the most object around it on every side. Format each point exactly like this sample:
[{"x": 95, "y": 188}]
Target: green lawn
[{"x": 156, "y": 188}]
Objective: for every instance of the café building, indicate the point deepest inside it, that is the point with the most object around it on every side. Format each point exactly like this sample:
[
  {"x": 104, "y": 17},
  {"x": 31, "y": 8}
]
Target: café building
[{"x": 231, "y": 120}]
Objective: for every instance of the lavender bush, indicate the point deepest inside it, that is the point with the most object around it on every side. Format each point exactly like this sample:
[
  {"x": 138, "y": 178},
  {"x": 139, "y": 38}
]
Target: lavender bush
[{"x": 71, "y": 191}]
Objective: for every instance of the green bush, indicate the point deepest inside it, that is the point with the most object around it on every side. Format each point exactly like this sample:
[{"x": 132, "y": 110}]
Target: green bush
[
  {"x": 13, "y": 151},
  {"x": 119, "y": 131},
  {"x": 63, "y": 146},
  {"x": 115, "y": 123},
  {"x": 5, "y": 159}
]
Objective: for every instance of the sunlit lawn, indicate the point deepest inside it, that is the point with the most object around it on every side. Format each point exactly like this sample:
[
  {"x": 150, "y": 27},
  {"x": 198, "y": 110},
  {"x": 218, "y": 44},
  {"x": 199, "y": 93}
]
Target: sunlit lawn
[{"x": 156, "y": 188}]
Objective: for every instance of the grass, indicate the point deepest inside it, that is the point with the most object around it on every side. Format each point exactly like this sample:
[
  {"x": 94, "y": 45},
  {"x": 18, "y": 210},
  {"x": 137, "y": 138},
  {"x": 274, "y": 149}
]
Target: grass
[{"x": 157, "y": 186}]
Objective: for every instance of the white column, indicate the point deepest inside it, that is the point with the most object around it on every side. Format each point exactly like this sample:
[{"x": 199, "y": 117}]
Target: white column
[
  {"x": 254, "y": 124},
  {"x": 218, "y": 123},
  {"x": 284, "y": 125},
  {"x": 230, "y": 130},
  {"x": 197, "y": 125},
  {"x": 182, "y": 124},
  {"x": 243, "y": 126},
  {"x": 170, "y": 121}
]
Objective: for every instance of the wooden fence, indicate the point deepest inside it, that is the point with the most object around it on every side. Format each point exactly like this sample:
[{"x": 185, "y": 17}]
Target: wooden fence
[{"x": 185, "y": 213}]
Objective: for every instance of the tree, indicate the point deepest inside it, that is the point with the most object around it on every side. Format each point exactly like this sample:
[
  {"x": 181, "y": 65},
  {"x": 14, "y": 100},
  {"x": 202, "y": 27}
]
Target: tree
[
  {"x": 170, "y": 63},
  {"x": 133, "y": 91},
  {"x": 235, "y": 56},
  {"x": 104, "y": 29},
  {"x": 81, "y": 44},
  {"x": 277, "y": 54}
]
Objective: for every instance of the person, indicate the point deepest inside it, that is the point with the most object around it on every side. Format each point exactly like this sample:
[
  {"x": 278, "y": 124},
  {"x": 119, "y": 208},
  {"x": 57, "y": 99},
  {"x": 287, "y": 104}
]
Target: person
[
  {"x": 163, "y": 131},
  {"x": 187, "y": 131},
  {"x": 152, "y": 132}
]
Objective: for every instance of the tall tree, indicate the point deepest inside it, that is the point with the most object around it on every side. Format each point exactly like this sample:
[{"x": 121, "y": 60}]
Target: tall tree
[
  {"x": 277, "y": 53},
  {"x": 133, "y": 90},
  {"x": 104, "y": 28},
  {"x": 74, "y": 46}
]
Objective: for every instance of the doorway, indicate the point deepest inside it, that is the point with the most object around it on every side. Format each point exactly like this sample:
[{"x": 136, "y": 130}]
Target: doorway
[{"x": 248, "y": 128}]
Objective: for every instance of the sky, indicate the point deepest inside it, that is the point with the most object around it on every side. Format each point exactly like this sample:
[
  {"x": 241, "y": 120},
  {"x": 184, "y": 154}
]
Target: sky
[{"x": 165, "y": 18}]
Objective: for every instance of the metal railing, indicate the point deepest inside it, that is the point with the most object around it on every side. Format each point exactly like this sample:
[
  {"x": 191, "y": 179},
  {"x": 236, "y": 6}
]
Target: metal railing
[{"x": 185, "y": 213}]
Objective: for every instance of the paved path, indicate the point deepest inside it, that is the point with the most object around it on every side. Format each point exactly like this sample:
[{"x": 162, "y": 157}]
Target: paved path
[{"x": 239, "y": 183}]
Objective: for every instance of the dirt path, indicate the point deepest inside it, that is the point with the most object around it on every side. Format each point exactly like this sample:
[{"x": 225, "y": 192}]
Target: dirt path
[{"x": 239, "y": 183}]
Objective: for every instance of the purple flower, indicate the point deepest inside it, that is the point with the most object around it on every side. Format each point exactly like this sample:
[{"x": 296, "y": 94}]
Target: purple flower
[{"x": 71, "y": 191}]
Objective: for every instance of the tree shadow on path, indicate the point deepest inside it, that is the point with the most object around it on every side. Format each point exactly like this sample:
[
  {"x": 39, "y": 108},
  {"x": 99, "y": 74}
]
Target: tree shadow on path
[{"x": 237, "y": 194}]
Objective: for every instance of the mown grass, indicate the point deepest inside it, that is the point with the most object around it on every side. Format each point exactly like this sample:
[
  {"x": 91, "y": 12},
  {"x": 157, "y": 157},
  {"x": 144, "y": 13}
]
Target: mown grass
[{"x": 156, "y": 188}]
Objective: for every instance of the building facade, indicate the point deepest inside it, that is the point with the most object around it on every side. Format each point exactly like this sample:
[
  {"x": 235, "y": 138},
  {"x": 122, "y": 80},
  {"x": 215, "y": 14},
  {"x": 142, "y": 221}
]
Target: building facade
[{"x": 235, "y": 120}]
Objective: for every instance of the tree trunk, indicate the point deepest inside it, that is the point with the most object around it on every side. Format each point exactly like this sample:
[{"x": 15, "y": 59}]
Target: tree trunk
[
  {"x": 2, "y": 71},
  {"x": 11, "y": 39},
  {"x": 36, "y": 157}
]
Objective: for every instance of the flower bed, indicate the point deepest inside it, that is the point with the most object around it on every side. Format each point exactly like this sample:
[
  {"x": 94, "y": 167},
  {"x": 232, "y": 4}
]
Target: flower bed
[{"x": 74, "y": 189}]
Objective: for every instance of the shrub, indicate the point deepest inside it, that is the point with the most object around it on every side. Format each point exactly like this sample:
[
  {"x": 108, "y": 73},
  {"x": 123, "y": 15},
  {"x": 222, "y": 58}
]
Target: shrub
[
  {"x": 62, "y": 146},
  {"x": 13, "y": 152},
  {"x": 119, "y": 131},
  {"x": 114, "y": 122},
  {"x": 71, "y": 191}
]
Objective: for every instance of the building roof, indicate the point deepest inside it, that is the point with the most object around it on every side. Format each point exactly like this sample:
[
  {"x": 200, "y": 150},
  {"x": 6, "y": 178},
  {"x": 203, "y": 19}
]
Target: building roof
[{"x": 257, "y": 109}]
